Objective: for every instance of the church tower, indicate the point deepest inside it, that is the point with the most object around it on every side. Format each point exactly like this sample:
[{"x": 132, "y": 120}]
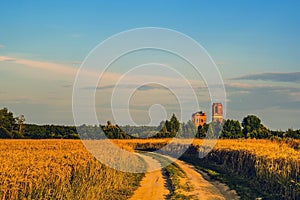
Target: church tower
[
  {"x": 217, "y": 112},
  {"x": 199, "y": 118}
]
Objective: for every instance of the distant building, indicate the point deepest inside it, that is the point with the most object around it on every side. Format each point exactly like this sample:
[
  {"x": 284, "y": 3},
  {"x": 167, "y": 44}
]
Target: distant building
[
  {"x": 199, "y": 118},
  {"x": 217, "y": 112}
]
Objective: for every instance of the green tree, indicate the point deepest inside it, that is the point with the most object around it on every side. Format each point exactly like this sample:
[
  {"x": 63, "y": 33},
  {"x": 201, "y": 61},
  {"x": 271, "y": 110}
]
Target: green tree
[
  {"x": 214, "y": 130},
  {"x": 161, "y": 125},
  {"x": 169, "y": 129},
  {"x": 17, "y": 135},
  {"x": 168, "y": 126},
  {"x": 189, "y": 129},
  {"x": 4, "y": 133},
  {"x": 292, "y": 133},
  {"x": 252, "y": 128},
  {"x": 231, "y": 129},
  {"x": 114, "y": 132},
  {"x": 7, "y": 120},
  {"x": 202, "y": 131},
  {"x": 175, "y": 124},
  {"x": 250, "y": 123}
]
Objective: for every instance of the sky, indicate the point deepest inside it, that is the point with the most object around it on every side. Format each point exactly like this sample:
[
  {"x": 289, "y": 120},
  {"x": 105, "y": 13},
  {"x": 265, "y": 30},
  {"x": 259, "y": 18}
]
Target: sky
[{"x": 255, "y": 45}]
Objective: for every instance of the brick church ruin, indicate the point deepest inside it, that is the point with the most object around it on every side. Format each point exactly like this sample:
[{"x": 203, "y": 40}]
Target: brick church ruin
[
  {"x": 199, "y": 118},
  {"x": 217, "y": 112}
]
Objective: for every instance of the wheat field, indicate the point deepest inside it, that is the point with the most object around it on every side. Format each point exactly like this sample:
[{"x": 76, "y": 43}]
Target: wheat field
[
  {"x": 58, "y": 169},
  {"x": 272, "y": 165},
  {"x": 64, "y": 169}
]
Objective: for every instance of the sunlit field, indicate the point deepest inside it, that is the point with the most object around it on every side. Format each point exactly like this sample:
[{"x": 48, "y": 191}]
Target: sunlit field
[
  {"x": 273, "y": 165},
  {"x": 58, "y": 169},
  {"x": 63, "y": 169}
]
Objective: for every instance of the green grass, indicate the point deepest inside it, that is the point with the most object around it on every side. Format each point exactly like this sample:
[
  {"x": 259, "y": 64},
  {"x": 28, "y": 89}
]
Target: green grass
[
  {"x": 246, "y": 189},
  {"x": 173, "y": 173}
]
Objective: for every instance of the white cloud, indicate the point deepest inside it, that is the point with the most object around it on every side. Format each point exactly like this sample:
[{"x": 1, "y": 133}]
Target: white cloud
[
  {"x": 49, "y": 66},
  {"x": 107, "y": 79},
  {"x": 56, "y": 68},
  {"x": 247, "y": 85},
  {"x": 272, "y": 76}
]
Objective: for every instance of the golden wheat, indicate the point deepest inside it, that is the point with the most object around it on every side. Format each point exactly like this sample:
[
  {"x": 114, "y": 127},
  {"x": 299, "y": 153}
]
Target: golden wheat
[
  {"x": 63, "y": 169},
  {"x": 275, "y": 165},
  {"x": 58, "y": 169}
]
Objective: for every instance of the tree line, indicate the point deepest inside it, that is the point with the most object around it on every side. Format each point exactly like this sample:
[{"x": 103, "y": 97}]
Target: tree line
[{"x": 251, "y": 127}]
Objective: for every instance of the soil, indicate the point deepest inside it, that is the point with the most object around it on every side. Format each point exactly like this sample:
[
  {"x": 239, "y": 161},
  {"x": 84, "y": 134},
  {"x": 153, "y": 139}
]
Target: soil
[{"x": 154, "y": 186}]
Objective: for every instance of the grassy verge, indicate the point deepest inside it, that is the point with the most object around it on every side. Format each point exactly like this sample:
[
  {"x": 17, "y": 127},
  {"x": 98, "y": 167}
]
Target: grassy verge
[{"x": 245, "y": 188}]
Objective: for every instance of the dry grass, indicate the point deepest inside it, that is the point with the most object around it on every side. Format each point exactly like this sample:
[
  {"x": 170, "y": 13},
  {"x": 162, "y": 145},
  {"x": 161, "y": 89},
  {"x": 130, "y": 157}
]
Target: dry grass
[{"x": 58, "y": 169}]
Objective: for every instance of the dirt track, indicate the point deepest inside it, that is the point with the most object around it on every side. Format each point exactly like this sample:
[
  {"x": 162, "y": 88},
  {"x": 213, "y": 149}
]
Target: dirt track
[
  {"x": 204, "y": 189},
  {"x": 153, "y": 185}
]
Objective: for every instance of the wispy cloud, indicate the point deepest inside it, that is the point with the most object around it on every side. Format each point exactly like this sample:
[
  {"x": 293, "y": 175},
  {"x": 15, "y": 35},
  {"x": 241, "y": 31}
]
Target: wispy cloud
[
  {"x": 108, "y": 78},
  {"x": 248, "y": 97},
  {"x": 57, "y": 68},
  {"x": 49, "y": 66},
  {"x": 276, "y": 77},
  {"x": 238, "y": 85},
  {"x": 146, "y": 87},
  {"x": 7, "y": 59},
  {"x": 1, "y": 46}
]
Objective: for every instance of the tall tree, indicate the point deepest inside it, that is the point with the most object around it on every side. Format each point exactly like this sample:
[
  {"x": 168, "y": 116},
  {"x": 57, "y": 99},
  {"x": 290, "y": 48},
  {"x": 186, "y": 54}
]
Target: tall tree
[
  {"x": 214, "y": 130},
  {"x": 4, "y": 133},
  {"x": 202, "y": 131},
  {"x": 7, "y": 119},
  {"x": 231, "y": 129},
  {"x": 252, "y": 128},
  {"x": 189, "y": 129},
  {"x": 175, "y": 124}
]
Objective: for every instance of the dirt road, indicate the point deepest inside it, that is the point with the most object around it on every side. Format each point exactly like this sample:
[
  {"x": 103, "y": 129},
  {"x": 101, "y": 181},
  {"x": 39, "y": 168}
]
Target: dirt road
[
  {"x": 153, "y": 185},
  {"x": 202, "y": 188}
]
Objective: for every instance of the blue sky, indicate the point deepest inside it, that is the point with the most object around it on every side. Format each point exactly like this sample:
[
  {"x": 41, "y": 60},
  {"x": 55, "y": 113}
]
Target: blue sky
[{"x": 41, "y": 40}]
